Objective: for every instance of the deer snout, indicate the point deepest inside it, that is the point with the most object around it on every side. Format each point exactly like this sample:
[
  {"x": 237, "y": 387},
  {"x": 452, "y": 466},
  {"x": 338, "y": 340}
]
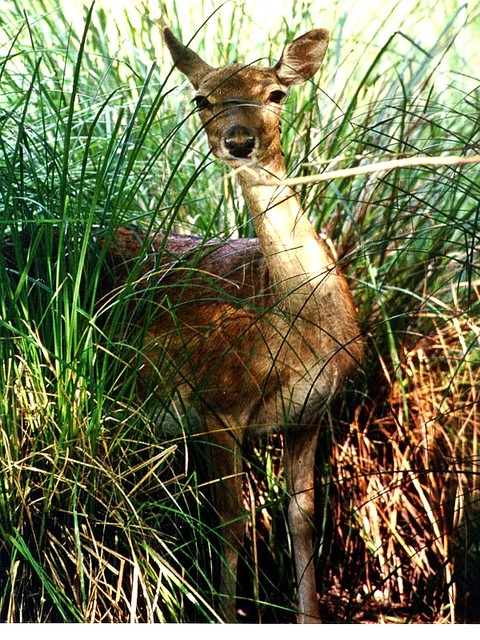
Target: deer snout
[{"x": 239, "y": 141}]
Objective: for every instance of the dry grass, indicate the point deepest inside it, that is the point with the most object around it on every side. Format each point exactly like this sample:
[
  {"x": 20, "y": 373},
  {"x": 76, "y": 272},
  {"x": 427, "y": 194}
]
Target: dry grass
[{"x": 406, "y": 483}]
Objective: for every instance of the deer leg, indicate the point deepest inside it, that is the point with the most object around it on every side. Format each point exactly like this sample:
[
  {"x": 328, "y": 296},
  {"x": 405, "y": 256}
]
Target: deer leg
[
  {"x": 225, "y": 453},
  {"x": 300, "y": 448}
]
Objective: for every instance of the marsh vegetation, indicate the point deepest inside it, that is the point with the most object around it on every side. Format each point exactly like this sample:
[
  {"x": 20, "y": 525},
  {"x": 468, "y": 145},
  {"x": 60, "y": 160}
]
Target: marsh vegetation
[{"x": 101, "y": 519}]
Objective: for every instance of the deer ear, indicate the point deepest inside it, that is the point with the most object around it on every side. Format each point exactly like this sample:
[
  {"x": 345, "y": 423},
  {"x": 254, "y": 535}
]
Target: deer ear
[
  {"x": 302, "y": 58},
  {"x": 186, "y": 60}
]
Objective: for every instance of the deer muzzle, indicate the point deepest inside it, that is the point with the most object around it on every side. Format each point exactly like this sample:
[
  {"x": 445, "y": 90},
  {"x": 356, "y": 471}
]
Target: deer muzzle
[{"x": 239, "y": 141}]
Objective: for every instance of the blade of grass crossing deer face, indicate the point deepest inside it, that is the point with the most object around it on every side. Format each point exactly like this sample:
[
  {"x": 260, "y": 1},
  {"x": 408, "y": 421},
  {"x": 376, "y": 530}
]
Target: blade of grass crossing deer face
[{"x": 311, "y": 338}]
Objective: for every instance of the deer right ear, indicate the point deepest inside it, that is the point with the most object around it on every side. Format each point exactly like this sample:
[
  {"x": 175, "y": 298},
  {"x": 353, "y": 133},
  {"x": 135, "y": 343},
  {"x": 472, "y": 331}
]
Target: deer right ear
[
  {"x": 302, "y": 58},
  {"x": 186, "y": 60}
]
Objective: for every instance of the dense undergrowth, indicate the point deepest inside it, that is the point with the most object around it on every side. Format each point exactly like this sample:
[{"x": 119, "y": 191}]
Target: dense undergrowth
[{"x": 104, "y": 519}]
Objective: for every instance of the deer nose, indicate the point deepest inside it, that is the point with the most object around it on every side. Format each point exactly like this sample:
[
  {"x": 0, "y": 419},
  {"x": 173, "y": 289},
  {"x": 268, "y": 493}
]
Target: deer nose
[{"x": 239, "y": 141}]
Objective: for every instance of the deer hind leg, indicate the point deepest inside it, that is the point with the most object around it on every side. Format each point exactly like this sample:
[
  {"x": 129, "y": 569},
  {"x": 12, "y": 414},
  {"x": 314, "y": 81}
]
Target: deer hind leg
[
  {"x": 300, "y": 448},
  {"x": 226, "y": 456}
]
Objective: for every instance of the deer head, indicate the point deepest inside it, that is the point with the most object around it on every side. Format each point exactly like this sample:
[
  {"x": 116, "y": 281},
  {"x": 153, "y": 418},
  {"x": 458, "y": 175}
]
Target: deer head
[{"x": 240, "y": 104}]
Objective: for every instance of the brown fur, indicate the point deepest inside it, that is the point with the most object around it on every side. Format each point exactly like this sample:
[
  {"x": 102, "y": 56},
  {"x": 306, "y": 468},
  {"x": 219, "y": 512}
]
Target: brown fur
[{"x": 220, "y": 331}]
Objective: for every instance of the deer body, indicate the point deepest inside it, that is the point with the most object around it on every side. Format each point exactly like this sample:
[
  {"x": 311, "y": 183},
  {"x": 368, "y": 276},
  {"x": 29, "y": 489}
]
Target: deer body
[{"x": 268, "y": 323}]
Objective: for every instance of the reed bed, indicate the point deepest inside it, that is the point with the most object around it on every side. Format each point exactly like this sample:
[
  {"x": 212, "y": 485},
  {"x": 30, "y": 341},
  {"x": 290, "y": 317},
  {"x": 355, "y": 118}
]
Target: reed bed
[{"x": 103, "y": 517}]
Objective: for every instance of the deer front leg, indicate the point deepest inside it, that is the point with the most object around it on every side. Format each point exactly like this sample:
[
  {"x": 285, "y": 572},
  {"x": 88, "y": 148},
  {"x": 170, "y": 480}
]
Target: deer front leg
[
  {"x": 300, "y": 448},
  {"x": 225, "y": 453}
]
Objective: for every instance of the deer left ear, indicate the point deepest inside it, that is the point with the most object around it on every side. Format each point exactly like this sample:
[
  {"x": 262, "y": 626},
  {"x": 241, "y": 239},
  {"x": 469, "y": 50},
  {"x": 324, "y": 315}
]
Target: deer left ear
[
  {"x": 186, "y": 60},
  {"x": 302, "y": 58}
]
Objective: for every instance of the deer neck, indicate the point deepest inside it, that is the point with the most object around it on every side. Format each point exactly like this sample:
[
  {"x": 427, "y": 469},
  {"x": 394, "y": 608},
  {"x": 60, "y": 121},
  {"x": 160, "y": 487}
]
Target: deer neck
[{"x": 299, "y": 263}]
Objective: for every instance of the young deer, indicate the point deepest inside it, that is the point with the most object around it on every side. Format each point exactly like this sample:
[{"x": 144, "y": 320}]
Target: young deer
[{"x": 272, "y": 333}]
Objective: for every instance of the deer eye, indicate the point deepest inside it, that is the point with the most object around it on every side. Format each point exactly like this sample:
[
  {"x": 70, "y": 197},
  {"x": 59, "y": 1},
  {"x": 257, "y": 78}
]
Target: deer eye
[
  {"x": 277, "y": 96},
  {"x": 201, "y": 102}
]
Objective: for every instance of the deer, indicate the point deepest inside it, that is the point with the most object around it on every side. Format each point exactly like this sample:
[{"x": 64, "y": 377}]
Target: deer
[{"x": 269, "y": 322}]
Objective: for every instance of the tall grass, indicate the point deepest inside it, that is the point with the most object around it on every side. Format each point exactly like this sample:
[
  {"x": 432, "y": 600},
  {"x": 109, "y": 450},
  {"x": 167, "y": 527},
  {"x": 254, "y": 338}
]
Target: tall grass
[{"x": 102, "y": 518}]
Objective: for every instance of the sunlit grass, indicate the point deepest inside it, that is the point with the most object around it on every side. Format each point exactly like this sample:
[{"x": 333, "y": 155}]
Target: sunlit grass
[{"x": 101, "y": 516}]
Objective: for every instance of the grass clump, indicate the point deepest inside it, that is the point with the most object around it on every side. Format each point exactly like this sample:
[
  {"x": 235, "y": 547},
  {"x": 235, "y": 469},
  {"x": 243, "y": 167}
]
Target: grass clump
[
  {"x": 101, "y": 517},
  {"x": 84, "y": 478}
]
